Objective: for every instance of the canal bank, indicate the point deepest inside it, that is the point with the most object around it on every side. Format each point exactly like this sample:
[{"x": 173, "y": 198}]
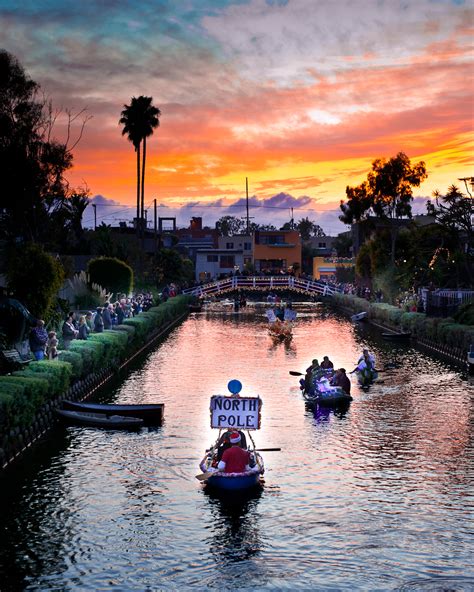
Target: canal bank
[
  {"x": 440, "y": 336},
  {"x": 29, "y": 398}
]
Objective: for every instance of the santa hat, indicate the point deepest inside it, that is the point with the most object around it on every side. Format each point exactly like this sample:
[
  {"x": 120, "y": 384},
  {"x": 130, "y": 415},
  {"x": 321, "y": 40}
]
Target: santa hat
[{"x": 234, "y": 437}]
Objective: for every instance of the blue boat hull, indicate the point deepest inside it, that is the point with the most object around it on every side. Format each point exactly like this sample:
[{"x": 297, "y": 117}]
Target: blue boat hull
[{"x": 234, "y": 483}]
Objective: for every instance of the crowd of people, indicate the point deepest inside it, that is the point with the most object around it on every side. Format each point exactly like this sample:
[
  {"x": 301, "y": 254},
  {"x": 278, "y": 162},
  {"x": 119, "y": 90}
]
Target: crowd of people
[{"x": 44, "y": 344}]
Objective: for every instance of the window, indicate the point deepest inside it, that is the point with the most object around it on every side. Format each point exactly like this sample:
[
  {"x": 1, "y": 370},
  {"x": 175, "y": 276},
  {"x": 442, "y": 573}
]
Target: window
[
  {"x": 229, "y": 245},
  {"x": 247, "y": 246},
  {"x": 272, "y": 239},
  {"x": 322, "y": 245},
  {"x": 227, "y": 261},
  {"x": 212, "y": 259}
]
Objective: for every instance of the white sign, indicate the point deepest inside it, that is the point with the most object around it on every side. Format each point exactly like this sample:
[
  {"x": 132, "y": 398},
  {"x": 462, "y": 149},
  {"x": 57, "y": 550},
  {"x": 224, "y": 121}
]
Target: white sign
[{"x": 241, "y": 413}]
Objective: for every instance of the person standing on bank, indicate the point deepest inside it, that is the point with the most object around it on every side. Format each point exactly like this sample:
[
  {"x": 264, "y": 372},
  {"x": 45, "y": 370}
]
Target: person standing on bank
[
  {"x": 98, "y": 321},
  {"x": 83, "y": 328},
  {"x": 69, "y": 330},
  {"x": 38, "y": 338}
]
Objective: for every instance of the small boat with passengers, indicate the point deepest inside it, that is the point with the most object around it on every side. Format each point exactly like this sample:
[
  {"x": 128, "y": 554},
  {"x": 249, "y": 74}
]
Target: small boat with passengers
[
  {"x": 149, "y": 413},
  {"x": 321, "y": 392},
  {"x": 230, "y": 464}
]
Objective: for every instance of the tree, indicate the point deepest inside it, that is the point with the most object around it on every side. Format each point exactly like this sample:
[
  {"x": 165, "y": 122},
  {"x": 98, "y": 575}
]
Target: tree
[
  {"x": 34, "y": 277},
  {"x": 32, "y": 161},
  {"x": 306, "y": 227},
  {"x": 230, "y": 226},
  {"x": 453, "y": 212},
  {"x": 170, "y": 266},
  {"x": 112, "y": 274},
  {"x": 387, "y": 193},
  {"x": 139, "y": 119}
]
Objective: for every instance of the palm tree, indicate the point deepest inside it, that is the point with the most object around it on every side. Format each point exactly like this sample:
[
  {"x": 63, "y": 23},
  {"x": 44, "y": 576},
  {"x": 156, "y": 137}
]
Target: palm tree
[{"x": 139, "y": 119}]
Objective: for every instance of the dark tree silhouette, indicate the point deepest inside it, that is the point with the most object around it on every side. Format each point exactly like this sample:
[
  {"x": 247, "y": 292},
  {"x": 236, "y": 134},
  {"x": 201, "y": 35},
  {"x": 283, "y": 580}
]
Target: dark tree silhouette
[
  {"x": 139, "y": 119},
  {"x": 386, "y": 194}
]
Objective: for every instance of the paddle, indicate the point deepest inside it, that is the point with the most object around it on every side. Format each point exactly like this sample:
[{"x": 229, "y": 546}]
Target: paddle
[{"x": 295, "y": 373}]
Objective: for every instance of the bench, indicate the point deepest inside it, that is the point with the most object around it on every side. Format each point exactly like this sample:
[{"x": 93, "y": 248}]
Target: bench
[{"x": 14, "y": 359}]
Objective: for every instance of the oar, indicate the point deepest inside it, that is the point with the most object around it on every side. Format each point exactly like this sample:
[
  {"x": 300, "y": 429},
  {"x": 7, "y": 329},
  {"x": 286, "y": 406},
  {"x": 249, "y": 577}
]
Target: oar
[
  {"x": 295, "y": 373},
  {"x": 204, "y": 476}
]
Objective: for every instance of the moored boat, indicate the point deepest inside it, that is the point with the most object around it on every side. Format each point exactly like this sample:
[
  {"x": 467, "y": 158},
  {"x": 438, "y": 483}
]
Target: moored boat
[
  {"x": 393, "y": 336},
  {"x": 150, "y": 413},
  {"x": 99, "y": 420},
  {"x": 361, "y": 316}
]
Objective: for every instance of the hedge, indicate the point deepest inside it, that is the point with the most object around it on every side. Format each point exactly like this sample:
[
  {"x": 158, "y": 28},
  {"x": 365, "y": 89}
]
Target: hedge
[
  {"x": 24, "y": 391},
  {"x": 443, "y": 331}
]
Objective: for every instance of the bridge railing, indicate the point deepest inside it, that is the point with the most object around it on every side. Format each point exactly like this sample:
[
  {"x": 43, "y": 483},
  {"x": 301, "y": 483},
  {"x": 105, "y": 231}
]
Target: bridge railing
[{"x": 283, "y": 282}]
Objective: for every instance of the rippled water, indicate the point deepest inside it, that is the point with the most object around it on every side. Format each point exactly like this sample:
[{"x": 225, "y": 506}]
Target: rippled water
[{"x": 378, "y": 498}]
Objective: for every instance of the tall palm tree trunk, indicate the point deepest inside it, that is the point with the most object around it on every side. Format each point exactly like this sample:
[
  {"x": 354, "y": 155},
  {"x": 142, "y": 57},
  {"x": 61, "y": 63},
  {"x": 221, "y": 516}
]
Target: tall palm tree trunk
[
  {"x": 143, "y": 185},
  {"x": 138, "y": 190}
]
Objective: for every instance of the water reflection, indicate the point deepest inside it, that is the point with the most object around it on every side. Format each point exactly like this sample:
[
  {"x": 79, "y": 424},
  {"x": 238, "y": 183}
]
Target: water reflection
[{"x": 235, "y": 535}]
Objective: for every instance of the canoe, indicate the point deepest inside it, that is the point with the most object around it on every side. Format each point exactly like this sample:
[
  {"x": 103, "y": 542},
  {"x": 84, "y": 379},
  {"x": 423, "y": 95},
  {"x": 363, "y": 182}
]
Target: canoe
[
  {"x": 99, "y": 420},
  {"x": 396, "y": 336},
  {"x": 150, "y": 413},
  {"x": 234, "y": 481}
]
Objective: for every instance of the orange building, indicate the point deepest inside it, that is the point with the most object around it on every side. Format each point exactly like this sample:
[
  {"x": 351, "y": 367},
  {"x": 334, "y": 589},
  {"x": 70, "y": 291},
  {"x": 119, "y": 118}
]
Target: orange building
[{"x": 275, "y": 251}]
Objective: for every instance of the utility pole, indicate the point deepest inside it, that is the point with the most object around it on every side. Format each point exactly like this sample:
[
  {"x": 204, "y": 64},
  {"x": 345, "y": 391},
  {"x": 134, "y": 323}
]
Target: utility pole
[
  {"x": 247, "y": 203},
  {"x": 95, "y": 215},
  {"x": 155, "y": 219},
  {"x": 292, "y": 225}
]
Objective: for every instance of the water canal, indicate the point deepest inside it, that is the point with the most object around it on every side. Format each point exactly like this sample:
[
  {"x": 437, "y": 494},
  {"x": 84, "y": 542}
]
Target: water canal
[{"x": 378, "y": 498}]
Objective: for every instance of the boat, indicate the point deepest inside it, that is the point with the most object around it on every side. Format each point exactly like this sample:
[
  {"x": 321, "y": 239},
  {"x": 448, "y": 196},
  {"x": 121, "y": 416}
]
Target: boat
[
  {"x": 195, "y": 307},
  {"x": 361, "y": 316},
  {"x": 393, "y": 336},
  {"x": 226, "y": 414},
  {"x": 323, "y": 393},
  {"x": 150, "y": 413},
  {"x": 99, "y": 420}
]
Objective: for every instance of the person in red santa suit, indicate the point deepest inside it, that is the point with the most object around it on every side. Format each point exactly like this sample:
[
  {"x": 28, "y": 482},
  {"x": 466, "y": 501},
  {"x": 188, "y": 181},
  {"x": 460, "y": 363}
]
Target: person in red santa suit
[{"x": 235, "y": 459}]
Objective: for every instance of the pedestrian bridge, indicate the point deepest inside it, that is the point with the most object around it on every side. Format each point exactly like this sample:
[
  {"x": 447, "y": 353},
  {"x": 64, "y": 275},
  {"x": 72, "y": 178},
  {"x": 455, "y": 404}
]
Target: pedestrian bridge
[{"x": 263, "y": 283}]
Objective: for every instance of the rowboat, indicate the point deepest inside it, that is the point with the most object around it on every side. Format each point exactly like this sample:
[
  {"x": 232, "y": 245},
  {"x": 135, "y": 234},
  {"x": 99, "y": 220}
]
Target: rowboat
[
  {"x": 361, "y": 316},
  {"x": 329, "y": 399},
  {"x": 236, "y": 415},
  {"x": 393, "y": 336},
  {"x": 99, "y": 420},
  {"x": 149, "y": 413},
  {"x": 234, "y": 481},
  {"x": 230, "y": 481}
]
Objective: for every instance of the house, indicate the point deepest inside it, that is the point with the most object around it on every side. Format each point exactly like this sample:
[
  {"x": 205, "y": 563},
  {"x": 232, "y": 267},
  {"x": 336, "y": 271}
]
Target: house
[
  {"x": 238, "y": 241},
  {"x": 276, "y": 251},
  {"x": 195, "y": 238},
  {"x": 213, "y": 264},
  {"x": 324, "y": 267}
]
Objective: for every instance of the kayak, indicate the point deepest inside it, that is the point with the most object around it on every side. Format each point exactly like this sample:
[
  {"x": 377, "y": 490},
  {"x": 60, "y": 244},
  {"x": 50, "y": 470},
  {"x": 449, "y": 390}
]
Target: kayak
[
  {"x": 396, "y": 336},
  {"x": 151, "y": 413},
  {"x": 99, "y": 420}
]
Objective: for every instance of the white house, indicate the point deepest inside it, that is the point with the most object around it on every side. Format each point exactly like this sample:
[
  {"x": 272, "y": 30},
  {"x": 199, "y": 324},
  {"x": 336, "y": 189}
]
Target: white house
[{"x": 214, "y": 263}]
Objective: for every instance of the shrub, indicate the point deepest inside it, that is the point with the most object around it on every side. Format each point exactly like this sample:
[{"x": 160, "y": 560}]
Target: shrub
[
  {"x": 15, "y": 409},
  {"x": 112, "y": 274},
  {"x": 465, "y": 314},
  {"x": 60, "y": 372},
  {"x": 76, "y": 361},
  {"x": 36, "y": 387},
  {"x": 35, "y": 277}
]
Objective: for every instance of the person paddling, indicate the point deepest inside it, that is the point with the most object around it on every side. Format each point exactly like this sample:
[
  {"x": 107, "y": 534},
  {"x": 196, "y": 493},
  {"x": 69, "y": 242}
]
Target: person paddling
[
  {"x": 341, "y": 379},
  {"x": 235, "y": 459}
]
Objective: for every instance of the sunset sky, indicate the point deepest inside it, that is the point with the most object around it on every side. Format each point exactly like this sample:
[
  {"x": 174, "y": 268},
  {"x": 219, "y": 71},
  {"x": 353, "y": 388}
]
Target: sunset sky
[{"x": 299, "y": 96}]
